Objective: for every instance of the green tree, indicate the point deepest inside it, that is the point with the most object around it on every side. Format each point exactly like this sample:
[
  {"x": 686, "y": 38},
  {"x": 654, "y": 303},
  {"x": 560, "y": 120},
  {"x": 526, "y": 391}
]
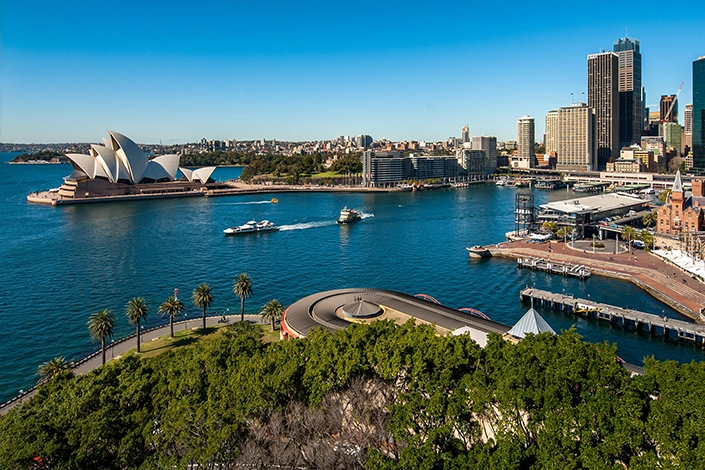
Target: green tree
[
  {"x": 549, "y": 227},
  {"x": 172, "y": 307},
  {"x": 100, "y": 325},
  {"x": 242, "y": 287},
  {"x": 648, "y": 239},
  {"x": 650, "y": 219},
  {"x": 663, "y": 195},
  {"x": 50, "y": 369},
  {"x": 272, "y": 311},
  {"x": 629, "y": 234},
  {"x": 202, "y": 298},
  {"x": 136, "y": 310}
]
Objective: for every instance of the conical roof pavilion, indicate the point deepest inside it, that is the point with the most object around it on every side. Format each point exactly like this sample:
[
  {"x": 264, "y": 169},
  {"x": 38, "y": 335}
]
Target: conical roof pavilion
[{"x": 531, "y": 322}]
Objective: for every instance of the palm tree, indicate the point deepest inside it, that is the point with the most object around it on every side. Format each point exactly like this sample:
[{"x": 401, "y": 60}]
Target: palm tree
[
  {"x": 136, "y": 310},
  {"x": 50, "y": 369},
  {"x": 202, "y": 298},
  {"x": 101, "y": 324},
  {"x": 629, "y": 234},
  {"x": 243, "y": 289},
  {"x": 272, "y": 311},
  {"x": 171, "y": 307}
]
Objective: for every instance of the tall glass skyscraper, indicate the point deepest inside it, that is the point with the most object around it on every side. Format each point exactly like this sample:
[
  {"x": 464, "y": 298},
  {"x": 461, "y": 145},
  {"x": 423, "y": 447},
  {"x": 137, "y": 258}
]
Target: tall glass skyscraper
[
  {"x": 699, "y": 114},
  {"x": 631, "y": 108},
  {"x": 603, "y": 97}
]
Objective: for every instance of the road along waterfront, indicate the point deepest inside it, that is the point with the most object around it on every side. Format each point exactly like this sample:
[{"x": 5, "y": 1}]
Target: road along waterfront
[{"x": 63, "y": 263}]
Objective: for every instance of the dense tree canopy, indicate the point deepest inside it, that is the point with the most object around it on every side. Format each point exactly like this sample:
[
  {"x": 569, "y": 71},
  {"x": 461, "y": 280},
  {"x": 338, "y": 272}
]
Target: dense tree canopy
[{"x": 378, "y": 396}]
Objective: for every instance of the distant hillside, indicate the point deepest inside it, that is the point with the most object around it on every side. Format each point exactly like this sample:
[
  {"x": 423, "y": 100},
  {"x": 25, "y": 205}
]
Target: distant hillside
[{"x": 41, "y": 156}]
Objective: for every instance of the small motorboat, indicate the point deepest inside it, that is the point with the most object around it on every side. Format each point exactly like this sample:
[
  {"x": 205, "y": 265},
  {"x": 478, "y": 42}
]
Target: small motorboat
[
  {"x": 252, "y": 227},
  {"x": 348, "y": 216},
  {"x": 478, "y": 251},
  {"x": 274, "y": 200}
]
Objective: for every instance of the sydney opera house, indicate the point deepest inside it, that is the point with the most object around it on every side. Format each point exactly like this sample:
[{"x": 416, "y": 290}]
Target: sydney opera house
[{"x": 119, "y": 167}]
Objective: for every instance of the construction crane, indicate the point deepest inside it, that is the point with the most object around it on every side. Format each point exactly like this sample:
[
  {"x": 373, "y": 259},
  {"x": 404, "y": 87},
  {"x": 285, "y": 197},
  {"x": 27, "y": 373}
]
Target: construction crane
[{"x": 673, "y": 103}]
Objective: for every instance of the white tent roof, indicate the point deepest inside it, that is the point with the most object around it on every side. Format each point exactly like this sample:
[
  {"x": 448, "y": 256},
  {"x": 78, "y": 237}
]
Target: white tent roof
[
  {"x": 480, "y": 337},
  {"x": 531, "y": 322}
]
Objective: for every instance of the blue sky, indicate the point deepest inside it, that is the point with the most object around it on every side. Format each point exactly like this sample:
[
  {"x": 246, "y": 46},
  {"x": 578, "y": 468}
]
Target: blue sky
[{"x": 303, "y": 70}]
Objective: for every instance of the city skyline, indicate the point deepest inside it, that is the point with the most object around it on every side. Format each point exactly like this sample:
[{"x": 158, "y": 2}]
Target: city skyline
[{"x": 304, "y": 72}]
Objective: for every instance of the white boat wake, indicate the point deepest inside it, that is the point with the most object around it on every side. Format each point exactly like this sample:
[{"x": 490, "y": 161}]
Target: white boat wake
[
  {"x": 306, "y": 225},
  {"x": 364, "y": 215},
  {"x": 248, "y": 203}
]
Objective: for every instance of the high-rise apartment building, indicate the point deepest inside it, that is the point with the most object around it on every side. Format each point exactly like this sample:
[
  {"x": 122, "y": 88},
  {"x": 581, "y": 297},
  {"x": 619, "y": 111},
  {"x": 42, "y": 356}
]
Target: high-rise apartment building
[
  {"x": 699, "y": 114},
  {"x": 631, "y": 107},
  {"x": 525, "y": 142},
  {"x": 465, "y": 134},
  {"x": 487, "y": 144},
  {"x": 576, "y": 138},
  {"x": 603, "y": 97},
  {"x": 688, "y": 124},
  {"x": 551, "y": 141},
  {"x": 668, "y": 108}
]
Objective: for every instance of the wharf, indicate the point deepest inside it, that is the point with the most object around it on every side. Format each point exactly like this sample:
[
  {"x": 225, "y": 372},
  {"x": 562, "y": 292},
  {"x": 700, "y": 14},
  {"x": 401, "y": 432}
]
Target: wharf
[
  {"x": 554, "y": 267},
  {"x": 626, "y": 318},
  {"x": 664, "y": 281}
]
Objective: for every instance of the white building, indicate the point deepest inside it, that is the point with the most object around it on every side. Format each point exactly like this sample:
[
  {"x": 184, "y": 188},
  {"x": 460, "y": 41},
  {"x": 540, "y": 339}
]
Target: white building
[{"x": 576, "y": 138}]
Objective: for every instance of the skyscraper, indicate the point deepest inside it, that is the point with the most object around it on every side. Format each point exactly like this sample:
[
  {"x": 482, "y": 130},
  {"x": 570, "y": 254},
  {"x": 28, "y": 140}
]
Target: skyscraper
[
  {"x": 603, "y": 97},
  {"x": 688, "y": 124},
  {"x": 699, "y": 114},
  {"x": 489, "y": 146},
  {"x": 525, "y": 142},
  {"x": 668, "y": 108},
  {"x": 631, "y": 107},
  {"x": 465, "y": 134},
  {"x": 576, "y": 138},
  {"x": 551, "y": 142}
]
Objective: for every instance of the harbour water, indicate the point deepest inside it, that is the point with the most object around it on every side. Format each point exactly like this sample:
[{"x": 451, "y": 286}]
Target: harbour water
[{"x": 60, "y": 264}]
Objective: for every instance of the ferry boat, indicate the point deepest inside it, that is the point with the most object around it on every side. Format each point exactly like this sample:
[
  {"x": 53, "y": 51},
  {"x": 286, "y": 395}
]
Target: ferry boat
[
  {"x": 348, "y": 215},
  {"x": 252, "y": 227}
]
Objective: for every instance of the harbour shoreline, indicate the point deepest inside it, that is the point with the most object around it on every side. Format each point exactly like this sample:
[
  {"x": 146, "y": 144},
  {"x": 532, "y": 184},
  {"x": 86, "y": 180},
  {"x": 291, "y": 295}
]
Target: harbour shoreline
[{"x": 652, "y": 274}]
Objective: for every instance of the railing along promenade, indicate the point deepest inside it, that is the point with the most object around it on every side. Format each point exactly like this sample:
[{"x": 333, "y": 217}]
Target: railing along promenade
[{"x": 618, "y": 316}]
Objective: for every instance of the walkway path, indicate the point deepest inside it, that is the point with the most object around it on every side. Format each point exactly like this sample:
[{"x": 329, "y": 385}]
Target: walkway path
[
  {"x": 114, "y": 350},
  {"x": 661, "y": 279}
]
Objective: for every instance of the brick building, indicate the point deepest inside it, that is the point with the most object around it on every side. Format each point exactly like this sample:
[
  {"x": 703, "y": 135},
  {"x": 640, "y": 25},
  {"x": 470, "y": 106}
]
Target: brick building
[{"x": 684, "y": 211}]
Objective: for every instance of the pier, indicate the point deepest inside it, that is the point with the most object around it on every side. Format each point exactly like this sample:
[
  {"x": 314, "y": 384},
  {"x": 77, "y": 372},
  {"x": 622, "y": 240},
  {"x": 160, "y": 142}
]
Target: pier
[
  {"x": 554, "y": 267},
  {"x": 669, "y": 328}
]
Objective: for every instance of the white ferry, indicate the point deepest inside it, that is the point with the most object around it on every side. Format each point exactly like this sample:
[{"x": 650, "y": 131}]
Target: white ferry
[
  {"x": 252, "y": 227},
  {"x": 348, "y": 216}
]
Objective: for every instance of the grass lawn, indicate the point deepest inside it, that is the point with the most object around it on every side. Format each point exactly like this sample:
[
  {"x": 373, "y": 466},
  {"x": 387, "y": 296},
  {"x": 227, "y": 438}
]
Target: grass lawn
[{"x": 186, "y": 338}]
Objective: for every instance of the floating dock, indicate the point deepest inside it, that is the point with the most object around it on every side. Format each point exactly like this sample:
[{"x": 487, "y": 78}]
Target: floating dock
[
  {"x": 626, "y": 318},
  {"x": 554, "y": 267}
]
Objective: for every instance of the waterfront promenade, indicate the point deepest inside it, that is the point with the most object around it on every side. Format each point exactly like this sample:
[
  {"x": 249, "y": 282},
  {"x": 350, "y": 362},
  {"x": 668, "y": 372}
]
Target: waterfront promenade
[
  {"x": 662, "y": 279},
  {"x": 114, "y": 350}
]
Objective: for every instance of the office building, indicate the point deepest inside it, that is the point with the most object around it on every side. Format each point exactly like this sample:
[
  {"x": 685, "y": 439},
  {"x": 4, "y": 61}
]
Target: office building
[
  {"x": 465, "y": 134},
  {"x": 576, "y": 138},
  {"x": 699, "y": 114},
  {"x": 657, "y": 146},
  {"x": 672, "y": 137},
  {"x": 487, "y": 144},
  {"x": 688, "y": 128},
  {"x": 364, "y": 141},
  {"x": 668, "y": 108},
  {"x": 603, "y": 97},
  {"x": 631, "y": 107},
  {"x": 551, "y": 140},
  {"x": 525, "y": 143}
]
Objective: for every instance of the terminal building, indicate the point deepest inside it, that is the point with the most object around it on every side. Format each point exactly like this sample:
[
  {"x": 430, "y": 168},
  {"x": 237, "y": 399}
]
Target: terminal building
[{"x": 584, "y": 211}]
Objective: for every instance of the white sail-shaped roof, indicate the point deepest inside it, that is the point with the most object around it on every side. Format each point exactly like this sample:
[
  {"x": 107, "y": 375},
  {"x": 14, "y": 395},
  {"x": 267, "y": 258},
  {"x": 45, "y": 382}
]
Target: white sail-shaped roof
[
  {"x": 170, "y": 163},
  {"x": 121, "y": 160},
  {"x": 85, "y": 163},
  {"x": 531, "y": 322},
  {"x": 201, "y": 174},
  {"x": 130, "y": 154}
]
